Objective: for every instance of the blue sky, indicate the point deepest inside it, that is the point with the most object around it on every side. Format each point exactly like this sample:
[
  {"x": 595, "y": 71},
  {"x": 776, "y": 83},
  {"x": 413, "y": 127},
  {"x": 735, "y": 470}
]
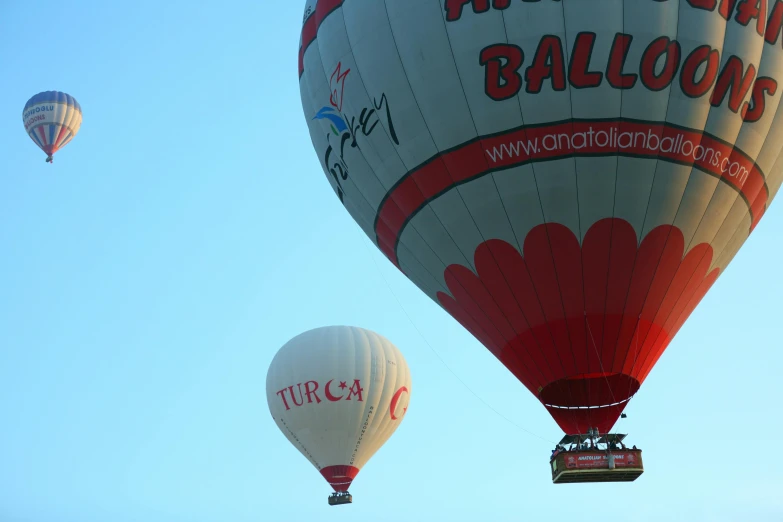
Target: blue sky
[{"x": 150, "y": 274}]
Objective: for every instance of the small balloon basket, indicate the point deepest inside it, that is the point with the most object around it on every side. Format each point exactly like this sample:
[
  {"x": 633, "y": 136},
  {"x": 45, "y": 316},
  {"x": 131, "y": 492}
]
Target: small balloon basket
[
  {"x": 595, "y": 458},
  {"x": 341, "y": 497}
]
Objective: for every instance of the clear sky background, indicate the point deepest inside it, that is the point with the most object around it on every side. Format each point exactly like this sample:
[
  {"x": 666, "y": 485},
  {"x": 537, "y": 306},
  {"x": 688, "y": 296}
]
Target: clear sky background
[{"x": 150, "y": 274}]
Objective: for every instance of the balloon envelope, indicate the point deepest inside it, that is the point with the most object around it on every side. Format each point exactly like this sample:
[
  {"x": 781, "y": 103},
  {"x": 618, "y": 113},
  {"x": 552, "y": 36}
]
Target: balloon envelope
[
  {"x": 52, "y": 119},
  {"x": 566, "y": 178},
  {"x": 338, "y": 393}
]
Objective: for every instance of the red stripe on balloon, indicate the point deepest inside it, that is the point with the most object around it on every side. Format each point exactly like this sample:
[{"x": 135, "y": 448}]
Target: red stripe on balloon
[
  {"x": 323, "y": 8},
  {"x": 471, "y": 160},
  {"x": 57, "y": 143},
  {"x": 60, "y": 135},
  {"x": 42, "y": 135}
]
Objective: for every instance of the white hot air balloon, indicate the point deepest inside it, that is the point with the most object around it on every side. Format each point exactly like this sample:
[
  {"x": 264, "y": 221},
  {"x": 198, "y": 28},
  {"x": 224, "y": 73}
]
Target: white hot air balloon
[
  {"x": 567, "y": 179},
  {"x": 338, "y": 393}
]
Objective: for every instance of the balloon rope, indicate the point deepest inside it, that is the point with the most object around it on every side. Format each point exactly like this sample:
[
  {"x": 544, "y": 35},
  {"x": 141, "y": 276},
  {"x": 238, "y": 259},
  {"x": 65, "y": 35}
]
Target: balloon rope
[
  {"x": 391, "y": 290},
  {"x": 635, "y": 356}
]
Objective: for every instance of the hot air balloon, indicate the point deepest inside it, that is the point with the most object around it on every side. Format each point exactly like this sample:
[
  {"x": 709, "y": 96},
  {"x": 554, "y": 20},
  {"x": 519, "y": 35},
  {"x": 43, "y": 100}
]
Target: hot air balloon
[
  {"x": 52, "y": 119},
  {"x": 567, "y": 179},
  {"x": 338, "y": 393}
]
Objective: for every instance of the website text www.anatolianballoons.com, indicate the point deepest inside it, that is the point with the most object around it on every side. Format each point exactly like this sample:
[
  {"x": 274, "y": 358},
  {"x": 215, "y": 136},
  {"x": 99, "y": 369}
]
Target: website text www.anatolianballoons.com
[
  {"x": 641, "y": 139},
  {"x": 532, "y": 144}
]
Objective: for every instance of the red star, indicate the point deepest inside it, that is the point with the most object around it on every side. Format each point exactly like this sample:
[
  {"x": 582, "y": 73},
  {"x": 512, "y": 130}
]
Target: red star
[{"x": 343, "y": 385}]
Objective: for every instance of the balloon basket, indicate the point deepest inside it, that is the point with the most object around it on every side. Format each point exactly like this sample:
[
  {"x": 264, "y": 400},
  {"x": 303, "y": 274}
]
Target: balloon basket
[
  {"x": 595, "y": 458},
  {"x": 336, "y": 499}
]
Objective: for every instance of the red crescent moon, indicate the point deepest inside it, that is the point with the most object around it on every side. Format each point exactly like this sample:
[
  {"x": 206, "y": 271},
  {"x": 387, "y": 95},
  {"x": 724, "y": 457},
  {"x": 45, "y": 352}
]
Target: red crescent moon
[
  {"x": 395, "y": 399},
  {"x": 329, "y": 395}
]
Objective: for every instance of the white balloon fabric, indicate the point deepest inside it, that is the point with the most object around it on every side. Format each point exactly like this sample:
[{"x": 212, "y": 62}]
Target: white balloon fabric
[
  {"x": 338, "y": 393},
  {"x": 566, "y": 178}
]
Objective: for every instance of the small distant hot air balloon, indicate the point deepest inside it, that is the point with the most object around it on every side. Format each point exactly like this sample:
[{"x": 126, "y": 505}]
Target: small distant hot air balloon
[
  {"x": 52, "y": 119},
  {"x": 338, "y": 393}
]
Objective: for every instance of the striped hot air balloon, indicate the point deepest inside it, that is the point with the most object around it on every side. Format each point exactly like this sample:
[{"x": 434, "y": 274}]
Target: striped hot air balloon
[
  {"x": 566, "y": 178},
  {"x": 52, "y": 119}
]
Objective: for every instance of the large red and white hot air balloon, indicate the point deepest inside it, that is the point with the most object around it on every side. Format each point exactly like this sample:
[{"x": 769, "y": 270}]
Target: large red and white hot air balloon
[
  {"x": 566, "y": 178},
  {"x": 338, "y": 393}
]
